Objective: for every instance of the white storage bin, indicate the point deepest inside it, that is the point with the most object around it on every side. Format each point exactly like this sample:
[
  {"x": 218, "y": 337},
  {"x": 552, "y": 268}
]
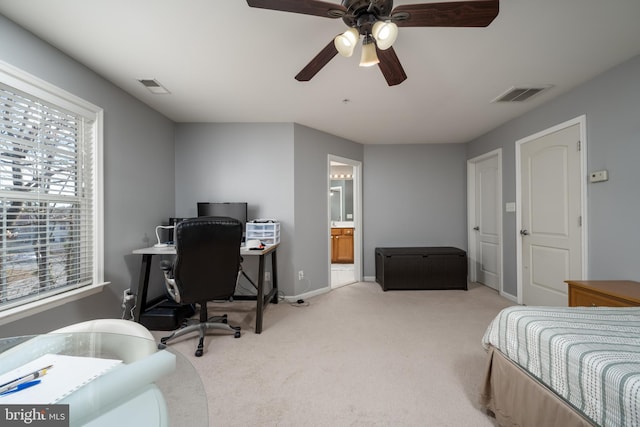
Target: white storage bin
[{"x": 267, "y": 232}]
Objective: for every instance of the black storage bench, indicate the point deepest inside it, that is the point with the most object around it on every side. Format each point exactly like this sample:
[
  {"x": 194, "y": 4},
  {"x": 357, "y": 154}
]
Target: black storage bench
[{"x": 421, "y": 268}]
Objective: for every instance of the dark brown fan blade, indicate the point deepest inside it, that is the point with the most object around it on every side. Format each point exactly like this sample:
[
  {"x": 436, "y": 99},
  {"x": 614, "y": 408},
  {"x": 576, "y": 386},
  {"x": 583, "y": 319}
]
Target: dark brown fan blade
[
  {"x": 319, "y": 61},
  {"x": 391, "y": 67},
  {"x": 307, "y": 7},
  {"x": 474, "y": 13}
]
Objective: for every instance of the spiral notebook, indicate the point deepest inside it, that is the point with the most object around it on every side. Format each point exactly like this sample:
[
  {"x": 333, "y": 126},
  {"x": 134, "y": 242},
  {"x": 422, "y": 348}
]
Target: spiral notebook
[{"x": 67, "y": 374}]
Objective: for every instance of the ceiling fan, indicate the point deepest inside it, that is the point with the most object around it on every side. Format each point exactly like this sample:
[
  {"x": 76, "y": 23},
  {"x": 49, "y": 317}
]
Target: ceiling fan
[{"x": 377, "y": 21}]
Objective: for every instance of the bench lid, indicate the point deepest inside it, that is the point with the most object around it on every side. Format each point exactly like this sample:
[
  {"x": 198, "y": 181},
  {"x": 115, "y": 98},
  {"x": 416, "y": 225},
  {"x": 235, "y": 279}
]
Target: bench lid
[{"x": 425, "y": 250}]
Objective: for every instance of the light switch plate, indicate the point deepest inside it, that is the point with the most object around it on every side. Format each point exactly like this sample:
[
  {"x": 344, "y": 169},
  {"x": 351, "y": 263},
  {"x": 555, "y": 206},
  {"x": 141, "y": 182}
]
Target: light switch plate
[
  {"x": 599, "y": 176},
  {"x": 510, "y": 207}
]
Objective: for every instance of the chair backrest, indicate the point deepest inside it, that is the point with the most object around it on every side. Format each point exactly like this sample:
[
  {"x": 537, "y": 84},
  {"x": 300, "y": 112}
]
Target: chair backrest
[{"x": 207, "y": 258}]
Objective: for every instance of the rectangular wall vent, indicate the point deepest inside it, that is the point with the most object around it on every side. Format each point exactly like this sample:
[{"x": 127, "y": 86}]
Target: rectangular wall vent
[
  {"x": 519, "y": 94},
  {"x": 154, "y": 86}
]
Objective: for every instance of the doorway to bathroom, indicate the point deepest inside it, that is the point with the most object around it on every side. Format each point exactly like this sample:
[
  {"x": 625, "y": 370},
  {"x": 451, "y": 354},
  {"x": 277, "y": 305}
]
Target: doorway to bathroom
[{"x": 345, "y": 221}]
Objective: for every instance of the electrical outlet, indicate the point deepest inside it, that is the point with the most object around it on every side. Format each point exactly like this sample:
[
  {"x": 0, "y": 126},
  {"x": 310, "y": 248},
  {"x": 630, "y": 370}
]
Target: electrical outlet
[
  {"x": 300, "y": 275},
  {"x": 267, "y": 276}
]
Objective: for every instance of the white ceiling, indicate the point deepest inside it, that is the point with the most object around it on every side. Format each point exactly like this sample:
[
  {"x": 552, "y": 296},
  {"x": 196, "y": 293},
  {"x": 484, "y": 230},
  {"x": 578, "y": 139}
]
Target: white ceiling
[{"x": 223, "y": 61}]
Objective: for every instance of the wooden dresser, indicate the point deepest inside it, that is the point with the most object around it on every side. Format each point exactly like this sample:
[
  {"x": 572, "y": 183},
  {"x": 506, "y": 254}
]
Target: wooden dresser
[{"x": 603, "y": 293}]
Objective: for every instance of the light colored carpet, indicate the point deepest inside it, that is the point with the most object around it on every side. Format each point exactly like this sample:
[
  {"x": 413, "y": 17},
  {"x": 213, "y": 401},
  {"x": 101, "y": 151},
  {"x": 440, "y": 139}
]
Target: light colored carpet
[{"x": 356, "y": 356}]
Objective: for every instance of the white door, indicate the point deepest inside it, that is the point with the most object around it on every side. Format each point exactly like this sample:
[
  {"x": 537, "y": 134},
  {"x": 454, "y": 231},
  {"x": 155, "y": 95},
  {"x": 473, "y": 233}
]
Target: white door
[
  {"x": 488, "y": 222},
  {"x": 343, "y": 274},
  {"x": 550, "y": 215}
]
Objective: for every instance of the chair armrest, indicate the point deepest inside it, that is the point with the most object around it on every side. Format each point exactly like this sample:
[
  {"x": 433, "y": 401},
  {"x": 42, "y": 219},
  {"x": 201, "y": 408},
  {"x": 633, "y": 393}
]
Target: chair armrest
[
  {"x": 166, "y": 266},
  {"x": 169, "y": 280}
]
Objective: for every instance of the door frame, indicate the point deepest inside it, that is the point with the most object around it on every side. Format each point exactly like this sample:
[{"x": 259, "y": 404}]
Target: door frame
[
  {"x": 357, "y": 213},
  {"x": 582, "y": 122},
  {"x": 472, "y": 236}
]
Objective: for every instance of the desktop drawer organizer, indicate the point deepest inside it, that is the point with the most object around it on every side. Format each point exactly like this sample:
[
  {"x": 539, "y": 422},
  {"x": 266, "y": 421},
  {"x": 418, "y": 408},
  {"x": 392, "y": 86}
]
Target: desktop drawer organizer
[{"x": 267, "y": 232}]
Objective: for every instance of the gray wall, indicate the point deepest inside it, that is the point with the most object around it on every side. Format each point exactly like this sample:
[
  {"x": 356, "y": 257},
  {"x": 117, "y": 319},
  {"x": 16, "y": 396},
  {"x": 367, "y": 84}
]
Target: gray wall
[
  {"x": 414, "y": 195},
  {"x": 138, "y": 165},
  {"x": 280, "y": 169},
  {"x": 611, "y": 103},
  {"x": 231, "y": 162},
  {"x": 311, "y": 155}
]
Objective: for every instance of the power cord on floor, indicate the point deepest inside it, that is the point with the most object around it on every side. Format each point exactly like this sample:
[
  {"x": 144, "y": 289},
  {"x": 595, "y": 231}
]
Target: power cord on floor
[{"x": 299, "y": 303}]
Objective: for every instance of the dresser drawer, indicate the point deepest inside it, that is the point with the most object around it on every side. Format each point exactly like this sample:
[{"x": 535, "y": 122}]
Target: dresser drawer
[
  {"x": 582, "y": 298},
  {"x": 603, "y": 293}
]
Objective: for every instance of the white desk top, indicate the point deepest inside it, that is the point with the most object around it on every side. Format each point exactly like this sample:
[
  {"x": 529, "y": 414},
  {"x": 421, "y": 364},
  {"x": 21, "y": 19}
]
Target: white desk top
[{"x": 171, "y": 250}]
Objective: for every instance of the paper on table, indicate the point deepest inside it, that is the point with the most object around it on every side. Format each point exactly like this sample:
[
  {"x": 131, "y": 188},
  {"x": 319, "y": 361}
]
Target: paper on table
[{"x": 68, "y": 374}]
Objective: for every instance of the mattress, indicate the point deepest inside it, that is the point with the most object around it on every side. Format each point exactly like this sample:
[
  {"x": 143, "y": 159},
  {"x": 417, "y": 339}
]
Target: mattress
[{"x": 589, "y": 356}]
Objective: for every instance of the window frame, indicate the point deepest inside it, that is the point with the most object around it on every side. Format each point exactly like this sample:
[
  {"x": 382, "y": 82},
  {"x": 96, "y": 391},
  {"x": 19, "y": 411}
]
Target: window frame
[{"x": 38, "y": 88}]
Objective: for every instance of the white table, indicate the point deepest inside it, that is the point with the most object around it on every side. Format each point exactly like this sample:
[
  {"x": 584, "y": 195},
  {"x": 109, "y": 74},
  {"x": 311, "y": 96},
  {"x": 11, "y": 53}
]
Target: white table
[
  {"x": 261, "y": 299},
  {"x": 134, "y": 393}
]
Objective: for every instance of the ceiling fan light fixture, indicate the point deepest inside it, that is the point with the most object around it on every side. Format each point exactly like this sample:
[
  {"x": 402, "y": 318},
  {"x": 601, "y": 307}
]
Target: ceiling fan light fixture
[
  {"x": 369, "y": 56},
  {"x": 385, "y": 33},
  {"x": 346, "y": 42}
]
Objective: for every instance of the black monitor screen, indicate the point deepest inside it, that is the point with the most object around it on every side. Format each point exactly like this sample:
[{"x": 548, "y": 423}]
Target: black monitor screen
[{"x": 236, "y": 210}]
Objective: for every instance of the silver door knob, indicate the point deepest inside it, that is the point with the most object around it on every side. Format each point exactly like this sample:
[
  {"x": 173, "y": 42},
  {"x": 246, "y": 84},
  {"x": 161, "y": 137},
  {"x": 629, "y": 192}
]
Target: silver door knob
[
  {"x": 476, "y": 228},
  {"x": 524, "y": 232}
]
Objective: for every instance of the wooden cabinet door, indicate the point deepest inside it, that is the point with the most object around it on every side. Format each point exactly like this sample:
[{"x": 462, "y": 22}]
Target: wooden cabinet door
[
  {"x": 343, "y": 245},
  {"x": 335, "y": 233}
]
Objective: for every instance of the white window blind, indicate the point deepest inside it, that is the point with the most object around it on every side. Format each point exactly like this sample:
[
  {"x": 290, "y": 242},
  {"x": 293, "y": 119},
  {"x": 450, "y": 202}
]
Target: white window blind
[{"x": 47, "y": 193}]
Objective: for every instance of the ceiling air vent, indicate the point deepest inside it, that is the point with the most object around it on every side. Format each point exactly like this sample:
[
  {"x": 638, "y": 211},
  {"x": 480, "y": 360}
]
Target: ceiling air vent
[
  {"x": 519, "y": 94},
  {"x": 154, "y": 86}
]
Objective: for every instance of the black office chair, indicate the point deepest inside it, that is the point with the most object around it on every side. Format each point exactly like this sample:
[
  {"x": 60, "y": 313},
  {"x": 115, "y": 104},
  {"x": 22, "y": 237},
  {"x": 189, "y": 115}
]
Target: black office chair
[{"x": 206, "y": 268}]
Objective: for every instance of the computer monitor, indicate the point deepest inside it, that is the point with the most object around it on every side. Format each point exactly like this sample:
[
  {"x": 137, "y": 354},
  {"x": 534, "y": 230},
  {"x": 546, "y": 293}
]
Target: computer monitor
[{"x": 237, "y": 210}]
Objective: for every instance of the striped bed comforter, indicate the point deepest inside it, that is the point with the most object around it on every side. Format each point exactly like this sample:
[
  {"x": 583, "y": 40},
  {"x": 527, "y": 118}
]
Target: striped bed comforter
[{"x": 590, "y": 356}]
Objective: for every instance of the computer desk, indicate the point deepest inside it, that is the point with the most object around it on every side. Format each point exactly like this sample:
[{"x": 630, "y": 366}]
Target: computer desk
[{"x": 261, "y": 299}]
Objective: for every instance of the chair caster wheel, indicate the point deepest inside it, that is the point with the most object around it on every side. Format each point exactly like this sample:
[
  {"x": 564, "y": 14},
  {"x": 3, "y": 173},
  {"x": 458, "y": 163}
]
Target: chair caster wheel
[
  {"x": 237, "y": 334},
  {"x": 199, "y": 353},
  {"x": 224, "y": 320},
  {"x": 162, "y": 346}
]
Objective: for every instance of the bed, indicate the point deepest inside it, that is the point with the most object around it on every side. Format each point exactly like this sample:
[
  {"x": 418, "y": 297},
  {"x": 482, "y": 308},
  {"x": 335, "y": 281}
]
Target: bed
[{"x": 577, "y": 366}]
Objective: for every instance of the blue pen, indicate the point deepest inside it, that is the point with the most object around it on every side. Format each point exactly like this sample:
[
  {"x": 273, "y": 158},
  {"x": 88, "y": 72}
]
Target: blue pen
[
  {"x": 24, "y": 379},
  {"x": 21, "y": 387}
]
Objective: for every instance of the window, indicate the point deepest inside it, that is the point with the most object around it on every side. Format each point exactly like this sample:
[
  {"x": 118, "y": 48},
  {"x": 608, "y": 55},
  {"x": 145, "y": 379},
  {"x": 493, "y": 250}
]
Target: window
[{"x": 50, "y": 193}]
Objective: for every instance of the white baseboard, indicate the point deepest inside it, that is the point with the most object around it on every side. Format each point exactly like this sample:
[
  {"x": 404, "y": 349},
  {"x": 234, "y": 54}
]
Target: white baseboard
[
  {"x": 320, "y": 291},
  {"x": 307, "y": 294}
]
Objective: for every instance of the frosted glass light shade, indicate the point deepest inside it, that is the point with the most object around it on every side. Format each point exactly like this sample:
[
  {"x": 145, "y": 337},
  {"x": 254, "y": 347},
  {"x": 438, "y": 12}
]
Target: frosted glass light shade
[
  {"x": 346, "y": 42},
  {"x": 385, "y": 34},
  {"x": 369, "y": 56}
]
